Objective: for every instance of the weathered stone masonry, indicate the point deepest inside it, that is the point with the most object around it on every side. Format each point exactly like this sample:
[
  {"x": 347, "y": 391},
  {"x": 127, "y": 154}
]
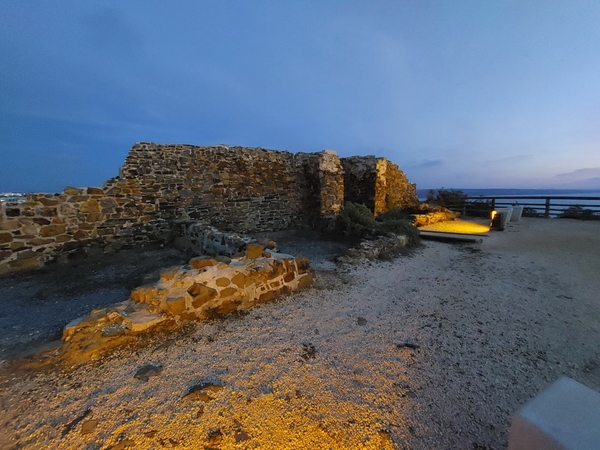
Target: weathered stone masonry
[
  {"x": 378, "y": 183},
  {"x": 231, "y": 188}
]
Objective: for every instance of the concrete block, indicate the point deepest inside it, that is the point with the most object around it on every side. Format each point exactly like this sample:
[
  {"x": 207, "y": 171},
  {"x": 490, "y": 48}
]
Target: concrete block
[
  {"x": 506, "y": 215},
  {"x": 564, "y": 416}
]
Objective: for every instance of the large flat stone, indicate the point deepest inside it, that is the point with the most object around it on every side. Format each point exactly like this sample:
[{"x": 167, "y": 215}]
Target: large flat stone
[{"x": 142, "y": 320}]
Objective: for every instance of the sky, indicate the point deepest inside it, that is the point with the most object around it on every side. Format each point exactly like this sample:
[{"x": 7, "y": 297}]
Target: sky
[{"x": 459, "y": 94}]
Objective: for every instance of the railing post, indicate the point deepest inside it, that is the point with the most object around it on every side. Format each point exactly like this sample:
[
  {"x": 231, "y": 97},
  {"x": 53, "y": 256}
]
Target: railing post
[
  {"x": 547, "y": 212},
  {"x": 493, "y": 204}
]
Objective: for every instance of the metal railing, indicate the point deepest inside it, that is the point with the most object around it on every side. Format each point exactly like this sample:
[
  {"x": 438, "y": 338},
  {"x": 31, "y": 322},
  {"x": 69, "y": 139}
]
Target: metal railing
[{"x": 533, "y": 206}]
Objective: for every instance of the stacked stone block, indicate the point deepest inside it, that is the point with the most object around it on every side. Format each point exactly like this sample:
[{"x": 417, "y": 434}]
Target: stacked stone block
[
  {"x": 209, "y": 288},
  {"x": 331, "y": 184},
  {"x": 201, "y": 290},
  {"x": 201, "y": 239}
]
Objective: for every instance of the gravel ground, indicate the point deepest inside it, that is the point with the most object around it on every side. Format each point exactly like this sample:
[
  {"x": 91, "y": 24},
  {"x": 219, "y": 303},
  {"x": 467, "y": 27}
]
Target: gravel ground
[
  {"x": 34, "y": 307},
  {"x": 429, "y": 351}
]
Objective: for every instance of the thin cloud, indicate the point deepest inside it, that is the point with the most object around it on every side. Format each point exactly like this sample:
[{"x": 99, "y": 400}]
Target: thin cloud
[
  {"x": 428, "y": 164},
  {"x": 593, "y": 181},
  {"x": 581, "y": 173},
  {"x": 587, "y": 178}
]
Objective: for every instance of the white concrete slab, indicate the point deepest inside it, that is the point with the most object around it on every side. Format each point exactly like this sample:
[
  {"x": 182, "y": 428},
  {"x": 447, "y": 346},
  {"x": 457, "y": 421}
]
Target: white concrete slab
[{"x": 564, "y": 416}]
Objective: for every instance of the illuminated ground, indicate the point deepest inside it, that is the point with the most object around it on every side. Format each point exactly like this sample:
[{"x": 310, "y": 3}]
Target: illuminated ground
[
  {"x": 468, "y": 226},
  {"x": 430, "y": 351}
]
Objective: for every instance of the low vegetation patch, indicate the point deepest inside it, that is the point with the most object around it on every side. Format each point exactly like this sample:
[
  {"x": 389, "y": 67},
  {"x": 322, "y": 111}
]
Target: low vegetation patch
[
  {"x": 531, "y": 212},
  {"x": 577, "y": 212},
  {"x": 449, "y": 198},
  {"x": 356, "y": 220},
  {"x": 457, "y": 200}
]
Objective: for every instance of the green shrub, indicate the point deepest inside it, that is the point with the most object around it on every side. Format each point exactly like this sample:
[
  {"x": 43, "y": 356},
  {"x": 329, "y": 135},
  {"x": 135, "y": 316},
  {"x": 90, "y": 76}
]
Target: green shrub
[
  {"x": 356, "y": 220},
  {"x": 531, "y": 212},
  {"x": 577, "y": 212},
  {"x": 450, "y": 198},
  {"x": 478, "y": 208},
  {"x": 395, "y": 214},
  {"x": 403, "y": 227}
]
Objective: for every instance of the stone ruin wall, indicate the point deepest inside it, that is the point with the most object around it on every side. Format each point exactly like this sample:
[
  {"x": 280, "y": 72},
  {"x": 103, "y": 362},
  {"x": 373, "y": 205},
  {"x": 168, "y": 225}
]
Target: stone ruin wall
[
  {"x": 232, "y": 188},
  {"x": 50, "y": 227},
  {"x": 377, "y": 183},
  {"x": 392, "y": 188},
  {"x": 359, "y": 180}
]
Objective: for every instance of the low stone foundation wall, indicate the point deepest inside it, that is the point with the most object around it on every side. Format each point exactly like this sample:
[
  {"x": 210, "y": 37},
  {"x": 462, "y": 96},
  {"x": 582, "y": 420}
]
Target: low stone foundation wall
[
  {"x": 208, "y": 288},
  {"x": 204, "y": 289}
]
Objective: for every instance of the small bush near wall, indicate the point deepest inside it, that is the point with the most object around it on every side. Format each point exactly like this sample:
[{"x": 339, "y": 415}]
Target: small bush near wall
[
  {"x": 478, "y": 208},
  {"x": 449, "y": 198},
  {"x": 404, "y": 228},
  {"x": 397, "y": 214},
  {"x": 356, "y": 220},
  {"x": 531, "y": 212}
]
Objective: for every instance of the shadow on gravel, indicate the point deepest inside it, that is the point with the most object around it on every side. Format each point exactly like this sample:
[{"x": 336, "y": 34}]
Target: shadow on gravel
[
  {"x": 321, "y": 249},
  {"x": 35, "y": 306}
]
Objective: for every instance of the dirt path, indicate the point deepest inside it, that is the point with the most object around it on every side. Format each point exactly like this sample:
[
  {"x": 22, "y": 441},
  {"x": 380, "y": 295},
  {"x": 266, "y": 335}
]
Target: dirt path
[{"x": 431, "y": 351}]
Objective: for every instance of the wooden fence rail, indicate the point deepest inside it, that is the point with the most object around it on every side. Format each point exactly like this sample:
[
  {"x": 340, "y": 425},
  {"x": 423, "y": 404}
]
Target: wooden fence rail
[{"x": 535, "y": 205}]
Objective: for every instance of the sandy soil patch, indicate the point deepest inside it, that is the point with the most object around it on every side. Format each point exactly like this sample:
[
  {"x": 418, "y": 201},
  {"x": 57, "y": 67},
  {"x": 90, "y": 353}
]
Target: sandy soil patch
[{"x": 431, "y": 351}]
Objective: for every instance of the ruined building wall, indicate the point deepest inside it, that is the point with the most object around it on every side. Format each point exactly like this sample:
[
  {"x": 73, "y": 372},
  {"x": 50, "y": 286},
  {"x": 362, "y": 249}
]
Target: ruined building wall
[
  {"x": 232, "y": 188},
  {"x": 360, "y": 175},
  {"x": 52, "y": 227},
  {"x": 392, "y": 188},
  {"x": 331, "y": 185},
  {"x": 377, "y": 183}
]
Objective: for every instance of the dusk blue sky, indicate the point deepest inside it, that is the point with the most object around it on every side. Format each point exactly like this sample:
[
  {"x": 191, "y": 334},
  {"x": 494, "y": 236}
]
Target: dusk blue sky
[{"x": 459, "y": 94}]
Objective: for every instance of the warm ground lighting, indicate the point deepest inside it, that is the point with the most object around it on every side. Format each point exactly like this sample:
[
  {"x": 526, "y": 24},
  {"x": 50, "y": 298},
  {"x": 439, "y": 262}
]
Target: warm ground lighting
[{"x": 459, "y": 226}]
